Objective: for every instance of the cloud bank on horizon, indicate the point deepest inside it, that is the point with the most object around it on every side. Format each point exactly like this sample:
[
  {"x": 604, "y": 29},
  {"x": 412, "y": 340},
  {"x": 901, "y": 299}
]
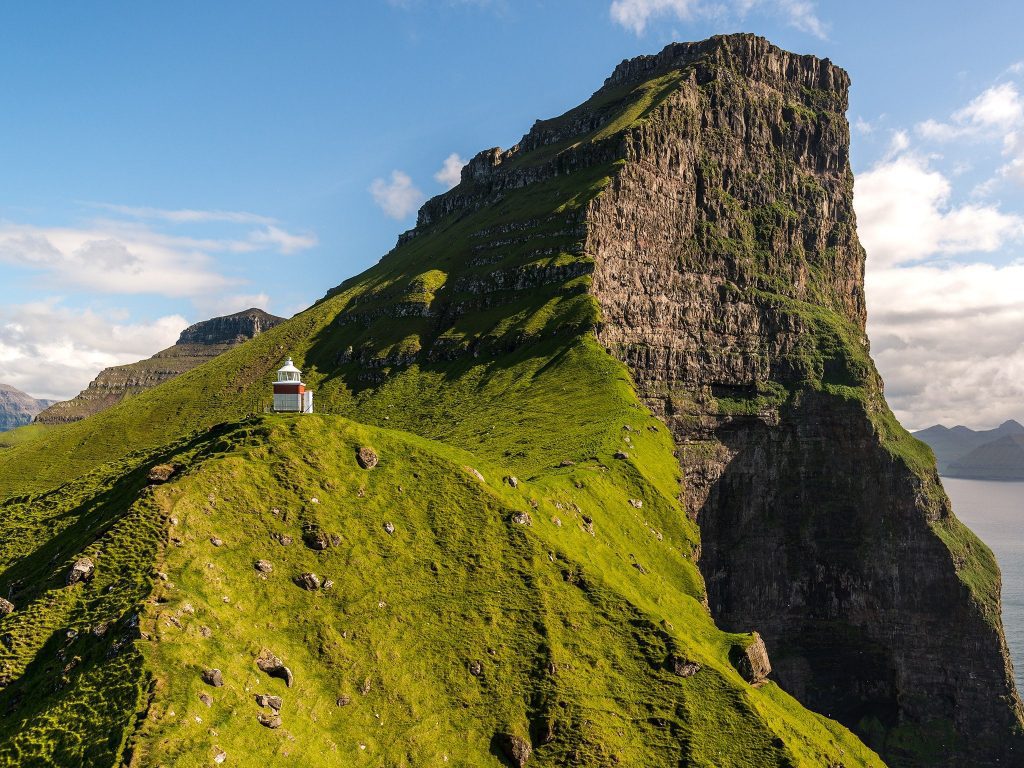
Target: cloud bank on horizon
[{"x": 945, "y": 292}]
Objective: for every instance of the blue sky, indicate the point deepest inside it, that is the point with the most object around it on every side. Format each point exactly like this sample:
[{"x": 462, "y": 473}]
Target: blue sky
[{"x": 164, "y": 163}]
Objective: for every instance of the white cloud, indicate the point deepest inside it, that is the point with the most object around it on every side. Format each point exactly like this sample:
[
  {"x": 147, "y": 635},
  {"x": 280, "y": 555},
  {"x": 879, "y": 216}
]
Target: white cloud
[
  {"x": 218, "y": 305},
  {"x": 185, "y": 215},
  {"x": 451, "y": 171},
  {"x": 397, "y": 198},
  {"x": 635, "y": 15},
  {"x": 949, "y": 342},
  {"x": 52, "y": 351},
  {"x": 904, "y": 215},
  {"x": 863, "y": 126},
  {"x": 275, "y": 238},
  {"x": 947, "y": 335}
]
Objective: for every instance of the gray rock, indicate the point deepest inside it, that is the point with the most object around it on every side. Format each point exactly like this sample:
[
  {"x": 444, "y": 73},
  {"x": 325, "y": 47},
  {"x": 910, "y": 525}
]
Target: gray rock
[
  {"x": 513, "y": 481},
  {"x": 263, "y": 566},
  {"x": 314, "y": 538},
  {"x": 6, "y": 607},
  {"x": 344, "y": 701},
  {"x": 516, "y": 749},
  {"x": 161, "y": 473},
  {"x": 272, "y": 665},
  {"x": 216, "y": 542},
  {"x": 621, "y": 455},
  {"x": 476, "y": 668},
  {"x": 389, "y": 527},
  {"x": 683, "y": 667},
  {"x": 521, "y": 518},
  {"x": 206, "y": 698},
  {"x": 268, "y": 700},
  {"x": 308, "y": 581},
  {"x": 367, "y": 457},
  {"x": 213, "y": 677},
  {"x": 82, "y": 570},
  {"x": 271, "y": 721}
]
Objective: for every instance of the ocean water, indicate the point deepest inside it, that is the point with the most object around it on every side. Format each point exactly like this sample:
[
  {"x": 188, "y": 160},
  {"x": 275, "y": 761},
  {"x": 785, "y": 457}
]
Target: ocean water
[{"x": 995, "y": 511}]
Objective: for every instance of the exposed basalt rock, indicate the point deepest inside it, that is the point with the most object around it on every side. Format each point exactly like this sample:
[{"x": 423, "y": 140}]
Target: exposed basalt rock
[
  {"x": 161, "y": 473},
  {"x": 196, "y": 345},
  {"x": 367, "y": 457},
  {"x": 730, "y": 280},
  {"x": 752, "y": 660},
  {"x": 271, "y": 664},
  {"x": 82, "y": 570}
]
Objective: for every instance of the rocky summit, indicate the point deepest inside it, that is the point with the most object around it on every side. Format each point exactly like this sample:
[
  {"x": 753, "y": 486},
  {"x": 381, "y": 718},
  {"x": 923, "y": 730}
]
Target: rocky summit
[
  {"x": 635, "y": 495},
  {"x": 197, "y": 344}
]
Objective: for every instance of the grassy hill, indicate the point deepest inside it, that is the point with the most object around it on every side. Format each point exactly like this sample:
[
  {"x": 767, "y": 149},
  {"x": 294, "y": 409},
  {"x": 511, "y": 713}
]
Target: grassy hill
[{"x": 560, "y": 610}]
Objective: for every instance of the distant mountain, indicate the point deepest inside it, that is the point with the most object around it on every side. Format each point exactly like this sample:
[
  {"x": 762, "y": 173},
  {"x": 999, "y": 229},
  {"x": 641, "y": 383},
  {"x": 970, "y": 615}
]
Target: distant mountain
[
  {"x": 999, "y": 459},
  {"x": 17, "y": 408},
  {"x": 953, "y": 447},
  {"x": 197, "y": 344}
]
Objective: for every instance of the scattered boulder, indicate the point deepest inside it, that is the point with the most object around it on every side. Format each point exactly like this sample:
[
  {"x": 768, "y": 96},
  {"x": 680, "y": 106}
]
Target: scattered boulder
[
  {"x": 206, "y": 698},
  {"x": 513, "y": 481},
  {"x": 476, "y": 473},
  {"x": 389, "y": 527},
  {"x": 516, "y": 749},
  {"x": 283, "y": 539},
  {"x": 366, "y": 686},
  {"x": 476, "y": 668},
  {"x": 263, "y": 566},
  {"x": 343, "y": 701},
  {"x": 328, "y": 583},
  {"x": 636, "y": 503},
  {"x": 267, "y": 700},
  {"x": 682, "y": 666},
  {"x": 566, "y": 463},
  {"x": 213, "y": 677},
  {"x": 161, "y": 473},
  {"x": 315, "y": 538},
  {"x": 588, "y": 524},
  {"x": 6, "y": 607},
  {"x": 271, "y": 721},
  {"x": 273, "y": 666},
  {"x": 367, "y": 457},
  {"x": 308, "y": 581},
  {"x": 621, "y": 455},
  {"x": 216, "y": 542},
  {"x": 220, "y": 755},
  {"x": 82, "y": 570},
  {"x": 521, "y": 518},
  {"x": 752, "y": 661}
]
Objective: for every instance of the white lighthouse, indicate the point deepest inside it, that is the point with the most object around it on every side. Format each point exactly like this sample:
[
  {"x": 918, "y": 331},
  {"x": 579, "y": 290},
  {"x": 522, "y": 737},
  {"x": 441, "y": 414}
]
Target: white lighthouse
[{"x": 290, "y": 394}]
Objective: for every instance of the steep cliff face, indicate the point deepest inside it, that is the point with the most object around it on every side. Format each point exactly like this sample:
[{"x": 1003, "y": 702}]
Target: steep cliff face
[
  {"x": 197, "y": 344},
  {"x": 730, "y": 281},
  {"x": 17, "y": 408}
]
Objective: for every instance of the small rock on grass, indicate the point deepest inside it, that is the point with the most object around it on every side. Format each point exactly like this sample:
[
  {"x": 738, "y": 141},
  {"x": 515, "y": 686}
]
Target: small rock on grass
[
  {"x": 267, "y": 700},
  {"x": 513, "y": 481},
  {"x": 263, "y": 566},
  {"x": 213, "y": 677},
  {"x": 220, "y": 755},
  {"x": 308, "y": 581},
  {"x": 6, "y": 607},
  {"x": 82, "y": 570},
  {"x": 367, "y": 457},
  {"x": 206, "y": 698},
  {"x": 344, "y": 701},
  {"x": 476, "y": 668},
  {"x": 216, "y": 542},
  {"x": 517, "y": 749},
  {"x": 274, "y": 666},
  {"x": 269, "y": 721},
  {"x": 521, "y": 518},
  {"x": 389, "y": 527}
]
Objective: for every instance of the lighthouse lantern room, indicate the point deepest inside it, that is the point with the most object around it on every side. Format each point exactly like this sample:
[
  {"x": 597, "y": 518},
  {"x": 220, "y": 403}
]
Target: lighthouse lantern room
[{"x": 290, "y": 394}]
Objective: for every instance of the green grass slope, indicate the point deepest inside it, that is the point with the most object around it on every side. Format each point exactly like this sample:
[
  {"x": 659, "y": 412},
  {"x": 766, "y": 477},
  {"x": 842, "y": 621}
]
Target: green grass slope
[{"x": 466, "y": 349}]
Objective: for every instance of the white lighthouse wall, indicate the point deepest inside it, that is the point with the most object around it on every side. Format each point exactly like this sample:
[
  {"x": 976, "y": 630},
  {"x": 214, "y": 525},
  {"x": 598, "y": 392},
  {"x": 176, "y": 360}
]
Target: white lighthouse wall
[
  {"x": 288, "y": 402},
  {"x": 308, "y": 404}
]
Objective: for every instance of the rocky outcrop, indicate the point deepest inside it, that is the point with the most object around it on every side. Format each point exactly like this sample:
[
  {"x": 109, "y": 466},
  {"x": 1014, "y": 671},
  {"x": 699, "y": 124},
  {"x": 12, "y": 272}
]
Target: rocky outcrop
[
  {"x": 197, "y": 344},
  {"x": 17, "y": 408},
  {"x": 730, "y": 280}
]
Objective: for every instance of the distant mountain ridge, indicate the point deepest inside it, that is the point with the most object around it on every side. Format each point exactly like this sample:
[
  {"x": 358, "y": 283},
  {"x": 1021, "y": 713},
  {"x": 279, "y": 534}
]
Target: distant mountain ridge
[
  {"x": 197, "y": 344},
  {"x": 990, "y": 454},
  {"x": 18, "y": 408}
]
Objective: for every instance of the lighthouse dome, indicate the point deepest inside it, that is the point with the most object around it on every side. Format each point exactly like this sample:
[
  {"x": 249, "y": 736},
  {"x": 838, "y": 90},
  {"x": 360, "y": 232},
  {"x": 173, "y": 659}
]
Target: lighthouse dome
[{"x": 288, "y": 372}]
